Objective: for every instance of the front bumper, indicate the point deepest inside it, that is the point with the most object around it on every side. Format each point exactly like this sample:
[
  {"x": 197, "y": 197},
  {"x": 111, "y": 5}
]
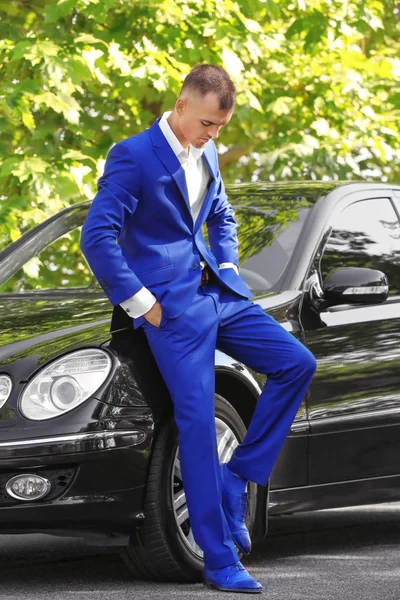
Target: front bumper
[
  {"x": 98, "y": 481},
  {"x": 70, "y": 444}
]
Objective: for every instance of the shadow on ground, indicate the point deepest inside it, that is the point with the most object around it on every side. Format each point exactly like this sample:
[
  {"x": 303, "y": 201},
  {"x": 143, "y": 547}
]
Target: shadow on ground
[{"x": 53, "y": 561}]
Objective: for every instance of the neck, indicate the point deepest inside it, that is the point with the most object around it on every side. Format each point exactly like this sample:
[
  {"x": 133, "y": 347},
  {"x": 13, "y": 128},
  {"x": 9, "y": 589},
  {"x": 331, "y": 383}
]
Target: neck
[{"x": 173, "y": 123}]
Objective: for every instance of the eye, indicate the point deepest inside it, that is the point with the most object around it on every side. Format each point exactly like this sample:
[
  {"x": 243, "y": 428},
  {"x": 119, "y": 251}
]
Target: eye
[{"x": 206, "y": 123}]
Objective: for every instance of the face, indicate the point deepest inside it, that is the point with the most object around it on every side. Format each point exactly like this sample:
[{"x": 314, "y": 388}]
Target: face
[{"x": 200, "y": 119}]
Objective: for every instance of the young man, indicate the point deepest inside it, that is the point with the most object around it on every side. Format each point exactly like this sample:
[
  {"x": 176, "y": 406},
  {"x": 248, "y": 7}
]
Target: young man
[{"x": 158, "y": 189}]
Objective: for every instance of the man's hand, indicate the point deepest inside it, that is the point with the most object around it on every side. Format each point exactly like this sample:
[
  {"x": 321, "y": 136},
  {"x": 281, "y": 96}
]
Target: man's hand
[{"x": 154, "y": 315}]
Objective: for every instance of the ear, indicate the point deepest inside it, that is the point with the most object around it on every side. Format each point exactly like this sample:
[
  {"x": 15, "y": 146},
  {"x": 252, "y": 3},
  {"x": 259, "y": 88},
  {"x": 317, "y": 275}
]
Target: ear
[{"x": 180, "y": 105}]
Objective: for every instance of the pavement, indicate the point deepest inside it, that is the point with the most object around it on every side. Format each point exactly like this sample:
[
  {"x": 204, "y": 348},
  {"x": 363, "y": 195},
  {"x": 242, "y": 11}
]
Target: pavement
[{"x": 346, "y": 554}]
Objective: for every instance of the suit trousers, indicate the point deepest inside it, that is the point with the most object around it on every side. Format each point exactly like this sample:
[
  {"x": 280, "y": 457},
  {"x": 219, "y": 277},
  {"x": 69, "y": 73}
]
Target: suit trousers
[{"x": 184, "y": 350}]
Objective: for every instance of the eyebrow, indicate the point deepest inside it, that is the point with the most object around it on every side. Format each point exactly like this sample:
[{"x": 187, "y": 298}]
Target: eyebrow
[{"x": 212, "y": 123}]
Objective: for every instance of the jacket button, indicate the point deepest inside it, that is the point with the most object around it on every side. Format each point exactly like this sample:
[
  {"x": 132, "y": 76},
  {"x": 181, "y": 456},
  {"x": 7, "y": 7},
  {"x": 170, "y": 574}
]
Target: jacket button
[{"x": 195, "y": 265}]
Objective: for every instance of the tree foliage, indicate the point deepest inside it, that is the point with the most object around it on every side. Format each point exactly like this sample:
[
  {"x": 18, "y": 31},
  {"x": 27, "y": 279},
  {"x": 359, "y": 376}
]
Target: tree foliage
[{"x": 316, "y": 79}]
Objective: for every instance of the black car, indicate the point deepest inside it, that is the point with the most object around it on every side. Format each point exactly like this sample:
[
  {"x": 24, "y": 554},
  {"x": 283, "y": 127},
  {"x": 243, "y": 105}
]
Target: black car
[{"x": 88, "y": 445}]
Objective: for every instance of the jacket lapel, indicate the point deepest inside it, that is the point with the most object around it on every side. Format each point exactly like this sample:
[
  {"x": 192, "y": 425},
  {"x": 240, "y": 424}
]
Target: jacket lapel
[
  {"x": 208, "y": 156},
  {"x": 169, "y": 160}
]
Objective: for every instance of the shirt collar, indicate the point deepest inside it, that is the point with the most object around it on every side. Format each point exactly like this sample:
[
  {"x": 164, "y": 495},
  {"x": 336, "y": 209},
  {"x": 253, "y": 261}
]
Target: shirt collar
[{"x": 179, "y": 151}]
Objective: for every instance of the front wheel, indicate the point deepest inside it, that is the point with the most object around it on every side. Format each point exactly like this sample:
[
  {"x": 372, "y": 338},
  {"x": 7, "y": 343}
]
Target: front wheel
[{"x": 164, "y": 548}]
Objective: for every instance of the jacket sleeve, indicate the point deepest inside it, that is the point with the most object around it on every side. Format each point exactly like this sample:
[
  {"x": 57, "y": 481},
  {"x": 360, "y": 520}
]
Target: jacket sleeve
[
  {"x": 221, "y": 225},
  {"x": 115, "y": 202}
]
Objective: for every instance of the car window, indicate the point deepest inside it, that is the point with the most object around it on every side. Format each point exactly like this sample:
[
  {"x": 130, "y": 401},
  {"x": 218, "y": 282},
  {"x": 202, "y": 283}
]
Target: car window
[
  {"x": 365, "y": 234},
  {"x": 269, "y": 227},
  {"x": 59, "y": 265}
]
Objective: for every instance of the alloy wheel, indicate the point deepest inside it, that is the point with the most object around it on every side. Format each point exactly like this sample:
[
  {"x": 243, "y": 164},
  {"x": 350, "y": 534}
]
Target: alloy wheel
[{"x": 227, "y": 442}]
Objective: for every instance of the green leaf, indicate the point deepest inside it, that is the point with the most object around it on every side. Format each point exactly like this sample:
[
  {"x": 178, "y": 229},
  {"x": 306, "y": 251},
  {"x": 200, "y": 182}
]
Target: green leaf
[
  {"x": 210, "y": 29},
  {"x": 32, "y": 268},
  {"x": 77, "y": 155},
  {"x": 28, "y": 120},
  {"x": 60, "y": 103},
  {"x": 273, "y": 9},
  {"x": 88, "y": 38},
  {"x": 8, "y": 165},
  {"x": 250, "y": 24},
  {"x": 395, "y": 100},
  {"x": 28, "y": 167},
  {"x": 20, "y": 49},
  {"x": 254, "y": 102},
  {"x": 281, "y": 106},
  {"x": 232, "y": 62},
  {"x": 57, "y": 10},
  {"x": 118, "y": 59},
  {"x": 9, "y": 8},
  {"x": 296, "y": 27}
]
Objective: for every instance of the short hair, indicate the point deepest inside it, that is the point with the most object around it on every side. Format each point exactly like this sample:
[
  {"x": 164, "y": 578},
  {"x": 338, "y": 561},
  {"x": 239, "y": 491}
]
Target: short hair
[{"x": 206, "y": 78}]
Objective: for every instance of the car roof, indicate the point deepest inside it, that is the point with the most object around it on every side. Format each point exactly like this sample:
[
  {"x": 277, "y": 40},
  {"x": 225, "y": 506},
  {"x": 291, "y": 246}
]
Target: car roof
[{"x": 312, "y": 190}]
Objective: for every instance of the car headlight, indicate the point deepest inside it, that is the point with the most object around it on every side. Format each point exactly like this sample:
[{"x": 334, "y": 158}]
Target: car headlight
[
  {"x": 64, "y": 384},
  {"x": 5, "y": 389}
]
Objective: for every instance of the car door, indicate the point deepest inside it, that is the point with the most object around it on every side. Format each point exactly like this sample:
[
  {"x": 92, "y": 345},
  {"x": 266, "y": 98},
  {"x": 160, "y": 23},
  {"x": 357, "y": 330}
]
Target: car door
[{"x": 354, "y": 401}]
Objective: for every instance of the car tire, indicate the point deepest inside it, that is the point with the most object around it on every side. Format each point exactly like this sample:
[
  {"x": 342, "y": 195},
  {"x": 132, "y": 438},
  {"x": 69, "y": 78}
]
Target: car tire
[{"x": 161, "y": 549}]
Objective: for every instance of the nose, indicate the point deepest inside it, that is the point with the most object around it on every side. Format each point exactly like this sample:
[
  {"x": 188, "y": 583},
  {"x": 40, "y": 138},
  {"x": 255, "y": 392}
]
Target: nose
[{"x": 214, "y": 132}]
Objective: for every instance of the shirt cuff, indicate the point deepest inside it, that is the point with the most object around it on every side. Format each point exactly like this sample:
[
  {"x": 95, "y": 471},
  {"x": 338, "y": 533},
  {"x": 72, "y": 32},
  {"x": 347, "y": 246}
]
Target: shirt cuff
[
  {"x": 139, "y": 304},
  {"x": 229, "y": 265}
]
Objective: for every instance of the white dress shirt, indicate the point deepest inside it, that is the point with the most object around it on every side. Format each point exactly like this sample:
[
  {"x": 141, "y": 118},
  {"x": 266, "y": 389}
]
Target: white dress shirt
[{"x": 197, "y": 178}]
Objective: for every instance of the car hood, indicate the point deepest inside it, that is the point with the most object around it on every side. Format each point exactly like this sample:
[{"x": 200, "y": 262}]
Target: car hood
[{"x": 48, "y": 325}]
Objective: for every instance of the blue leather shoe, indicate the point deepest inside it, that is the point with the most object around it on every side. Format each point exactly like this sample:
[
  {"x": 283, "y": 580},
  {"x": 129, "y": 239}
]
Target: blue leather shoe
[
  {"x": 235, "y": 508},
  {"x": 233, "y": 578}
]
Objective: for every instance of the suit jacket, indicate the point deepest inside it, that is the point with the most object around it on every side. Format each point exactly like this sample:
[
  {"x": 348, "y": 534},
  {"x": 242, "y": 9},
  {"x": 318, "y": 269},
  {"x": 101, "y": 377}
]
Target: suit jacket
[{"x": 139, "y": 230}]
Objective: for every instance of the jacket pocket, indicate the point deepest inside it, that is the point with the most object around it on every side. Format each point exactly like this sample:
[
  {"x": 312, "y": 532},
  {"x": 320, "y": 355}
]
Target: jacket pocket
[{"x": 157, "y": 275}]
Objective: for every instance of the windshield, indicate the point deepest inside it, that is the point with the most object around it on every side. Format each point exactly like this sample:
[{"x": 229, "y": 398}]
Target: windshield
[
  {"x": 268, "y": 229},
  {"x": 269, "y": 226}
]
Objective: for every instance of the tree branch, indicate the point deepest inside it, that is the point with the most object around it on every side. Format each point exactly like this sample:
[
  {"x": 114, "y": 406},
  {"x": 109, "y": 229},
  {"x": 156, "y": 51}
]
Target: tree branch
[{"x": 233, "y": 155}]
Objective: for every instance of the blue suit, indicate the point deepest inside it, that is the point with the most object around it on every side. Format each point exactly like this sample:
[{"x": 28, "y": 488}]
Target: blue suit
[{"x": 143, "y": 204}]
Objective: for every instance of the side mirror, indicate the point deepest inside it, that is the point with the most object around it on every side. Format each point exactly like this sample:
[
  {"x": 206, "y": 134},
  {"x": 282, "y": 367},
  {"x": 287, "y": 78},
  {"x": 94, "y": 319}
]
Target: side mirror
[{"x": 353, "y": 285}]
